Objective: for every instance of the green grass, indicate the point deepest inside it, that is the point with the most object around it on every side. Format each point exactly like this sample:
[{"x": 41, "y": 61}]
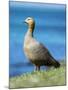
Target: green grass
[{"x": 52, "y": 77}]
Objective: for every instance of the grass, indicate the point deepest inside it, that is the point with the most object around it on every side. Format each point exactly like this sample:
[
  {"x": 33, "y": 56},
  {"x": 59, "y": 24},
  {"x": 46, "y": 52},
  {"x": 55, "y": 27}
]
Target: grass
[{"x": 53, "y": 77}]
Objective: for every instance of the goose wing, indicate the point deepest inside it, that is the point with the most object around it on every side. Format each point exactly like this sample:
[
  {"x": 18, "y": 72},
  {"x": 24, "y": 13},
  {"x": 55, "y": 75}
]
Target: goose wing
[{"x": 40, "y": 52}]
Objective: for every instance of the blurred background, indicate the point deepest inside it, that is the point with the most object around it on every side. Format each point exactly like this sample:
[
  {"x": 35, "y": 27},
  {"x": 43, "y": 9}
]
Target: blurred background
[{"x": 50, "y": 30}]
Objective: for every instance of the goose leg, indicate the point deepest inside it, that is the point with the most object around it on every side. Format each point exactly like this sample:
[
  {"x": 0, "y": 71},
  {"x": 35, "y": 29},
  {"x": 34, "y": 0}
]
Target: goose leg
[{"x": 37, "y": 68}]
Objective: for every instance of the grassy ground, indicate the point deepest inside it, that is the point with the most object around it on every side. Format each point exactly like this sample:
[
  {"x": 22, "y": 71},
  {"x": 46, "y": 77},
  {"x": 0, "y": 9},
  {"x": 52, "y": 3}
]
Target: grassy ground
[{"x": 41, "y": 78}]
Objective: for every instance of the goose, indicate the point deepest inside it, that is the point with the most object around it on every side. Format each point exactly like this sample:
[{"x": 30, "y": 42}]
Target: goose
[{"x": 35, "y": 51}]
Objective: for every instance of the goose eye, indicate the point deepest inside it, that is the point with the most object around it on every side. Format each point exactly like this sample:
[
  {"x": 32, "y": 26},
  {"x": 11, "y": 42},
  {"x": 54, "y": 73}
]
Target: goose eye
[{"x": 28, "y": 19}]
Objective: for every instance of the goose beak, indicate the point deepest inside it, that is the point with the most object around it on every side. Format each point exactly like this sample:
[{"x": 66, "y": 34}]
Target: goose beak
[{"x": 24, "y": 21}]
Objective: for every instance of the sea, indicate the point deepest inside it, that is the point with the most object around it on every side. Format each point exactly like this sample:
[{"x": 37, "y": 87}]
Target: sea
[{"x": 50, "y": 29}]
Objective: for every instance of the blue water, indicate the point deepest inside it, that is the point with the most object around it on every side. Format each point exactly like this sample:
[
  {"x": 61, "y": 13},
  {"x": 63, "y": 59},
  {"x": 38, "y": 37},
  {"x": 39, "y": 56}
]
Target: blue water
[{"x": 49, "y": 29}]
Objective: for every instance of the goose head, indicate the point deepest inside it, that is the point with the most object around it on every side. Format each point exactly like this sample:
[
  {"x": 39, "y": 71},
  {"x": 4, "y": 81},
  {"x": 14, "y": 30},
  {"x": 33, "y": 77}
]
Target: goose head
[{"x": 30, "y": 22}]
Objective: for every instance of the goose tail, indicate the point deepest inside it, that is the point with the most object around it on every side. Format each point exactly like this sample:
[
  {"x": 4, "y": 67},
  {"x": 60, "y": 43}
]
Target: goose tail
[{"x": 56, "y": 64}]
